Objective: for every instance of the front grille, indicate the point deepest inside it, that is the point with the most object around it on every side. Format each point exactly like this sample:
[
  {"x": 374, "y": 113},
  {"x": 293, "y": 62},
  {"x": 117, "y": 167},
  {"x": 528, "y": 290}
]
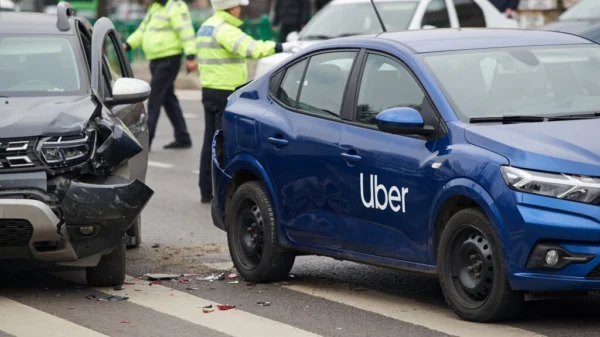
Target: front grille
[
  {"x": 15, "y": 232},
  {"x": 18, "y": 155}
]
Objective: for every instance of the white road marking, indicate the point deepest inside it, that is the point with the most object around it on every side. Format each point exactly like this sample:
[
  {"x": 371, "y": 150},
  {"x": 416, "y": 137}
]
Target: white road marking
[
  {"x": 190, "y": 115},
  {"x": 434, "y": 318},
  {"x": 159, "y": 164},
  {"x": 23, "y": 321},
  {"x": 235, "y": 322}
]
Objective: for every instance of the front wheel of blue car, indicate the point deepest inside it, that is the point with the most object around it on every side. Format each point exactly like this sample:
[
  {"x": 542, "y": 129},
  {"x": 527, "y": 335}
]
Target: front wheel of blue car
[
  {"x": 252, "y": 236},
  {"x": 471, "y": 270}
]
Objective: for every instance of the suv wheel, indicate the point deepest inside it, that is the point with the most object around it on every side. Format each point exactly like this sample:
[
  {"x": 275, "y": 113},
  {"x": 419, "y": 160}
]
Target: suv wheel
[
  {"x": 252, "y": 236},
  {"x": 110, "y": 271},
  {"x": 471, "y": 270},
  {"x": 134, "y": 233}
]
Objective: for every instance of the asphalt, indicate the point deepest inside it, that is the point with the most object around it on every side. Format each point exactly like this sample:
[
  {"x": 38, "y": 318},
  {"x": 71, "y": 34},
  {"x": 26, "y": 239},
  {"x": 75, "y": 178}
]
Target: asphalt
[{"x": 323, "y": 298}]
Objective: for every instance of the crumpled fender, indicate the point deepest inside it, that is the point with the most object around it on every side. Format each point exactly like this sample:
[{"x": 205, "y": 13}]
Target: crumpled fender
[{"x": 106, "y": 205}]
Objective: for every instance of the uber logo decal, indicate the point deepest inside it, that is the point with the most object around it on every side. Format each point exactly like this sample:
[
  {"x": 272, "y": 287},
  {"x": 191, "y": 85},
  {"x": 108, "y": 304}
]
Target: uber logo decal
[{"x": 392, "y": 197}]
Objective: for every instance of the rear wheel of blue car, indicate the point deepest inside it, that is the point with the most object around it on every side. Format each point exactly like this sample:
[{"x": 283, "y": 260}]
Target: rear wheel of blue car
[
  {"x": 252, "y": 236},
  {"x": 471, "y": 270}
]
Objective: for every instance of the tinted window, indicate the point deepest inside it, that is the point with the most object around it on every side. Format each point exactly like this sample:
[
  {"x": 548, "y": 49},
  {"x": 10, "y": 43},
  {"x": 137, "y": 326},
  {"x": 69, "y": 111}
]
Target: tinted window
[
  {"x": 288, "y": 91},
  {"x": 436, "y": 15},
  {"x": 469, "y": 14},
  {"x": 386, "y": 84},
  {"x": 325, "y": 82},
  {"x": 39, "y": 66}
]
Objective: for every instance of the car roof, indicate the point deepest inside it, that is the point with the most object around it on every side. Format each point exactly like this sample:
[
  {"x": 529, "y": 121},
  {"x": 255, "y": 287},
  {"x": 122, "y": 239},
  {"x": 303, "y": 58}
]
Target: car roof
[
  {"x": 453, "y": 39},
  {"x": 25, "y": 23}
]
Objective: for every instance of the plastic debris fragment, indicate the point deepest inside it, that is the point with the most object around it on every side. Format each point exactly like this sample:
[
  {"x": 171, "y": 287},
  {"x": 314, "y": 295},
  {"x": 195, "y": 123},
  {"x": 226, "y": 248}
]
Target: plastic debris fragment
[
  {"x": 191, "y": 288},
  {"x": 125, "y": 322},
  {"x": 113, "y": 298},
  {"x": 118, "y": 287},
  {"x": 161, "y": 276},
  {"x": 225, "y": 306},
  {"x": 234, "y": 282},
  {"x": 264, "y": 304},
  {"x": 207, "y": 309}
]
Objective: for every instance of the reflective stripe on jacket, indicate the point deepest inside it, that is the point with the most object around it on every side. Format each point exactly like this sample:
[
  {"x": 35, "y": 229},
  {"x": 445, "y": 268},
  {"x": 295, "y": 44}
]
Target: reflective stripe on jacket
[
  {"x": 223, "y": 49},
  {"x": 166, "y": 30}
]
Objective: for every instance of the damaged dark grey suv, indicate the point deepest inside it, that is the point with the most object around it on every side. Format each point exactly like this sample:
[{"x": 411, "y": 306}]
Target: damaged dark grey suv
[{"x": 73, "y": 144}]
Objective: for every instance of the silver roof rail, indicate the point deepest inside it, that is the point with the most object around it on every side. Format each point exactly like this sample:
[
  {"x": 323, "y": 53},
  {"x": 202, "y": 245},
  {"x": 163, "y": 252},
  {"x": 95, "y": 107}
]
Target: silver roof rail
[{"x": 63, "y": 12}]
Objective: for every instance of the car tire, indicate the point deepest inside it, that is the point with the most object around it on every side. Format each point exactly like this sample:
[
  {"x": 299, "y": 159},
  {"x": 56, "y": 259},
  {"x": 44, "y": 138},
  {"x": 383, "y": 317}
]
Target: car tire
[
  {"x": 110, "y": 271},
  {"x": 252, "y": 236},
  {"x": 135, "y": 232},
  {"x": 471, "y": 270}
]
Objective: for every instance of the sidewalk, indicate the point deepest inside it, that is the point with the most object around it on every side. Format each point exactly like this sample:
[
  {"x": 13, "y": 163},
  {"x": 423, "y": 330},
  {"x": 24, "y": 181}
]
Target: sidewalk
[{"x": 184, "y": 81}]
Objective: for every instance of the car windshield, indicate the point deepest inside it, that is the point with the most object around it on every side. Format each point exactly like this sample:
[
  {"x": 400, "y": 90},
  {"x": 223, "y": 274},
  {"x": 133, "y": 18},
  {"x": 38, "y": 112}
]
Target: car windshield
[
  {"x": 584, "y": 9},
  {"x": 527, "y": 81},
  {"x": 355, "y": 18},
  {"x": 38, "y": 66}
]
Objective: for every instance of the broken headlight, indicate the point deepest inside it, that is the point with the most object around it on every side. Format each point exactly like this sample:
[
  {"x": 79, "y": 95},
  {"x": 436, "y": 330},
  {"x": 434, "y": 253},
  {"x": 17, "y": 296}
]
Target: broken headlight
[
  {"x": 562, "y": 186},
  {"x": 66, "y": 150}
]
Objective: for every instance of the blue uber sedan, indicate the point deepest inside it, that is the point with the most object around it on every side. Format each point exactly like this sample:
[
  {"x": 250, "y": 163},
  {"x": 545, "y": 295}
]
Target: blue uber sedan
[{"x": 470, "y": 154}]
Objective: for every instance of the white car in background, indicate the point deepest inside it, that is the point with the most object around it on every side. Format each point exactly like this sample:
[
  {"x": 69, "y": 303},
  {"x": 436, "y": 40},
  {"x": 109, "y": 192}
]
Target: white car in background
[
  {"x": 8, "y": 6},
  {"x": 342, "y": 18}
]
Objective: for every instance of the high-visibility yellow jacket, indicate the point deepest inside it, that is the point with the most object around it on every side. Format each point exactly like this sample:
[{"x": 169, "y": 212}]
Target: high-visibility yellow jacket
[
  {"x": 223, "y": 49},
  {"x": 166, "y": 30}
]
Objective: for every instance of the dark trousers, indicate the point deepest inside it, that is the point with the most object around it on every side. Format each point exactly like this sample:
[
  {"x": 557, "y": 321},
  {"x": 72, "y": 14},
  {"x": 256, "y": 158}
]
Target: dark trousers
[
  {"x": 214, "y": 102},
  {"x": 286, "y": 28},
  {"x": 164, "y": 72}
]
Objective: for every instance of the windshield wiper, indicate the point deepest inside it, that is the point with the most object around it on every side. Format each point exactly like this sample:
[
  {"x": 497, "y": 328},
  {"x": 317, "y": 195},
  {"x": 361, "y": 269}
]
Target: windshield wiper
[
  {"x": 507, "y": 119},
  {"x": 574, "y": 116},
  {"x": 317, "y": 37}
]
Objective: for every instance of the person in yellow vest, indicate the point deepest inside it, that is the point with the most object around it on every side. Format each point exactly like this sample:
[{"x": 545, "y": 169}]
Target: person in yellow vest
[
  {"x": 223, "y": 50},
  {"x": 164, "y": 35}
]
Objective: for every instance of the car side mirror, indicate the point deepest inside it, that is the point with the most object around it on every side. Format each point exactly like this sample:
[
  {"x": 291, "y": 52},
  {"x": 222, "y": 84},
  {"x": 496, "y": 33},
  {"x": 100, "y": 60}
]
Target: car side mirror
[
  {"x": 403, "y": 121},
  {"x": 292, "y": 37},
  {"x": 128, "y": 90},
  {"x": 429, "y": 27}
]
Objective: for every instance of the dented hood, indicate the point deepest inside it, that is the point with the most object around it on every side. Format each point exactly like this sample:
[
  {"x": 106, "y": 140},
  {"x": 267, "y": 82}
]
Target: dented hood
[{"x": 44, "y": 116}]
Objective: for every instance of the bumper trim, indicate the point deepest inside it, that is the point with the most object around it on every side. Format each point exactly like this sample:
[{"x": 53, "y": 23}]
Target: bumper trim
[
  {"x": 537, "y": 258},
  {"x": 44, "y": 223}
]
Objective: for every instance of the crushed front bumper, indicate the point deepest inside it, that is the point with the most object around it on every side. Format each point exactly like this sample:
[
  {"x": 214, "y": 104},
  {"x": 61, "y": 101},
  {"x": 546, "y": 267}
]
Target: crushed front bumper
[{"x": 47, "y": 226}]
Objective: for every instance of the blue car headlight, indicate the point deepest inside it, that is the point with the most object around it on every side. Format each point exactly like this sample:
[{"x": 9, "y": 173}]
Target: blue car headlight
[
  {"x": 562, "y": 186},
  {"x": 58, "y": 151}
]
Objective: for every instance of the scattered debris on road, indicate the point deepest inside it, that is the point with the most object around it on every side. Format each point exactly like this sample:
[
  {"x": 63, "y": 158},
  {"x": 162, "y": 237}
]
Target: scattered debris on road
[
  {"x": 113, "y": 298},
  {"x": 264, "y": 304},
  {"x": 161, "y": 276},
  {"x": 125, "y": 322},
  {"x": 207, "y": 309},
  {"x": 119, "y": 287},
  {"x": 225, "y": 306}
]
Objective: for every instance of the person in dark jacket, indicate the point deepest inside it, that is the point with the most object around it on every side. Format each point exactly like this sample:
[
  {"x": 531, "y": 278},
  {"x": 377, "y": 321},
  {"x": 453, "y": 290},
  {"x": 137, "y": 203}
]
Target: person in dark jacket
[
  {"x": 508, "y": 7},
  {"x": 290, "y": 16}
]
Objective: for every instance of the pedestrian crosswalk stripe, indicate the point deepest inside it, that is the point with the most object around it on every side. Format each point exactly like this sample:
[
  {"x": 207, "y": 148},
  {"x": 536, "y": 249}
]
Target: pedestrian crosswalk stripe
[
  {"x": 235, "y": 323},
  {"x": 434, "y": 318},
  {"x": 23, "y": 321}
]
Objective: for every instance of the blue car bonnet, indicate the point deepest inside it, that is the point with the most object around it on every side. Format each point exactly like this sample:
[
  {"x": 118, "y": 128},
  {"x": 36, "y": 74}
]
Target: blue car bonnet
[{"x": 571, "y": 147}]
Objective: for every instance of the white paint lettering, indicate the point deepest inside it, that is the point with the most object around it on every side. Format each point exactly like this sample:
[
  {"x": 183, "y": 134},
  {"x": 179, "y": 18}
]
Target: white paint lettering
[{"x": 394, "y": 197}]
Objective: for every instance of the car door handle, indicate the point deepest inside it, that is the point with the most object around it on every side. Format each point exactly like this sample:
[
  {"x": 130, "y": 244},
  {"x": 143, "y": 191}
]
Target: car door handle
[
  {"x": 278, "y": 141},
  {"x": 352, "y": 158}
]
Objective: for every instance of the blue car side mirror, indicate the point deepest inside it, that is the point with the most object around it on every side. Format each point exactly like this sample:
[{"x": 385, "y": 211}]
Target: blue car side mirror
[{"x": 403, "y": 121}]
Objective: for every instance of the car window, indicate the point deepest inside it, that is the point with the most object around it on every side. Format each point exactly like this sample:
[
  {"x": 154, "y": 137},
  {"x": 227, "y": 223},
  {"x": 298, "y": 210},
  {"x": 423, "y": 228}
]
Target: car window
[
  {"x": 288, "y": 90},
  {"x": 530, "y": 81},
  {"x": 337, "y": 20},
  {"x": 112, "y": 61},
  {"x": 39, "y": 66},
  {"x": 469, "y": 14},
  {"x": 386, "y": 84},
  {"x": 325, "y": 83},
  {"x": 436, "y": 15}
]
